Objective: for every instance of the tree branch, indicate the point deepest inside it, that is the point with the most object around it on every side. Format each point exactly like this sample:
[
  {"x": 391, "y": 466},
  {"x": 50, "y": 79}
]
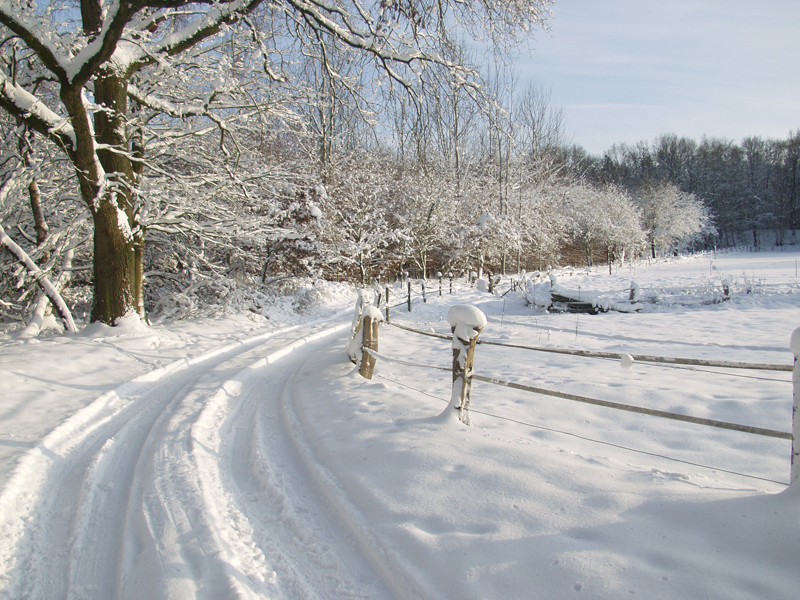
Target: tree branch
[
  {"x": 223, "y": 12},
  {"x": 35, "y": 114},
  {"x": 46, "y": 285},
  {"x": 17, "y": 22}
]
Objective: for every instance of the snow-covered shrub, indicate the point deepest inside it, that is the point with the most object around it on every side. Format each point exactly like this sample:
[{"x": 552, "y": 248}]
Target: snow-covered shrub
[{"x": 225, "y": 296}]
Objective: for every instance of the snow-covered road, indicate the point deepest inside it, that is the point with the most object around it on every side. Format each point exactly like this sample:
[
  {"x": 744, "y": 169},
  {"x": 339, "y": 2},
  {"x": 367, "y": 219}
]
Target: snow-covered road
[
  {"x": 249, "y": 459},
  {"x": 183, "y": 483}
]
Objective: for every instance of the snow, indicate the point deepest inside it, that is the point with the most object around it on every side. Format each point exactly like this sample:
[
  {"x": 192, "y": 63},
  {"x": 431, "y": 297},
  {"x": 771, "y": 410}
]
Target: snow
[
  {"x": 245, "y": 457},
  {"x": 795, "y": 343},
  {"x": 467, "y": 320},
  {"x": 626, "y": 362},
  {"x": 30, "y": 104},
  {"x": 372, "y": 312}
]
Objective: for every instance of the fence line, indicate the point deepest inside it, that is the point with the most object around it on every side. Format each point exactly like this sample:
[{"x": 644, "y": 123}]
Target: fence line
[
  {"x": 639, "y": 357},
  {"x": 724, "y": 373},
  {"x": 407, "y": 363},
  {"x": 415, "y": 295},
  {"x": 468, "y": 372},
  {"x": 588, "y": 439},
  {"x": 465, "y": 314},
  {"x": 783, "y": 435},
  {"x": 442, "y": 336},
  {"x": 638, "y": 409}
]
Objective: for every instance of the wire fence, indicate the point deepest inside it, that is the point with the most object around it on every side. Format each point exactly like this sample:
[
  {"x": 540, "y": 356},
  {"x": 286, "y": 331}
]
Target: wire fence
[
  {"x": 412, "y": 296},
  {"x": 667, "y": 360},
  {"x": 670, "y": 362},
  {"x": 588, "y": 439}
]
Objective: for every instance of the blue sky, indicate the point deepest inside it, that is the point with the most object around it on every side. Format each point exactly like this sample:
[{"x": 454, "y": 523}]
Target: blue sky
[{"x": 629, "y": 70}]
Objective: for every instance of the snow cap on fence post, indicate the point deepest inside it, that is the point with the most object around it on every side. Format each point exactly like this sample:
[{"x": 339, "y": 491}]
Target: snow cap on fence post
[
  {"x": 795, "y": 346},
  {"x": 626, "y": 361},
  {"x": 466, "y": 323}
]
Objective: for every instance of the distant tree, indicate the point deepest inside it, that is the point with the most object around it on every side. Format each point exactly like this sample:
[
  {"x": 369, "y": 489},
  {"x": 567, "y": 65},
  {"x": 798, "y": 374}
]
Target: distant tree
[
  {"x": 673, "y": 220},
  {"x": 675, "y": 160},
  {"x": 603, "y": 218},
  {"x": 787, "y": 186},
  {"x": 747, "y": 188}
]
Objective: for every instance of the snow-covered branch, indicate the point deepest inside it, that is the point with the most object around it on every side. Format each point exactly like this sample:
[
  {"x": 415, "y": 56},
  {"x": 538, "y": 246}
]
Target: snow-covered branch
[
  {"x": 46, "y": 285},
  {"x": 177, "y": 110},
  {"x": 35, "y": 113},
  {"x": 23, "y": 23},
  {"x": 209, "y": 24}
]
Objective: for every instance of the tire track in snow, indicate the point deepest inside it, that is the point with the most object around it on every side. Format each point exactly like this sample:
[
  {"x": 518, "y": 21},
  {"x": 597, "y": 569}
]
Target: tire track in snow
[
  {"x": 298, "y": 534},
  {"x": 132, "y": 497},
  {"x": 383, "y": 560}
]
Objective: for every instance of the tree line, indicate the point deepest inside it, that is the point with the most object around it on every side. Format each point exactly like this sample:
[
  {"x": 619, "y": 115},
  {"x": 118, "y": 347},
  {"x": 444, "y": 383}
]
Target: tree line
[{"x": 749, "y": 188}]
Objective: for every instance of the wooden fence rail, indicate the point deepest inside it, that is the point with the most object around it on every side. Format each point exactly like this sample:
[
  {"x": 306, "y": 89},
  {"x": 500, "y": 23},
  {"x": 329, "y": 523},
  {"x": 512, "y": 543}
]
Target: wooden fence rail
[
  {"x": 461, "y": 371},
  {"x": 668, "y": 360}
]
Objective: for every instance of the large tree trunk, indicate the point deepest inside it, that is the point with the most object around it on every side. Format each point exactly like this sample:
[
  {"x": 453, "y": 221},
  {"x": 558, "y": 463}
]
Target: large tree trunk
[
  {"x": 114, "y": 265},
  {"x": 118, "y": 242}
]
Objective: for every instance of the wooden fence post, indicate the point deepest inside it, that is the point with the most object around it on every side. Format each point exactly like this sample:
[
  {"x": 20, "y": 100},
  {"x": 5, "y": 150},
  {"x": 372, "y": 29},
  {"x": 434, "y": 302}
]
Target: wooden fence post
[
  {"x": 387, "y": 303},
  {"x": 372, "y": 319},
  {"x": 466, "y": 323},
  {"x": 635, "y": 292},
  {"x": 795, "y": 346},
  {"x": 353, "y": 345},
  {"x": 409, "y": 296}
]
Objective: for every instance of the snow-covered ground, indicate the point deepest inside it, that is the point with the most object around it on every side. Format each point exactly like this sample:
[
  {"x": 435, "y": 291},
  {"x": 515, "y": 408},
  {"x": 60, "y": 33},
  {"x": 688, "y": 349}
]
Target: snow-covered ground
[{"x": 245, "y": 457}]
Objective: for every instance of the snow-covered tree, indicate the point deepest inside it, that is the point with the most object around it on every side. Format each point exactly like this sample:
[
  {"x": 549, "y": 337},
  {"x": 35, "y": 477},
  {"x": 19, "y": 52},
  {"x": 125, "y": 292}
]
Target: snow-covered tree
[
  {"x": 544, "y": 225},
  {"x": 602, "y": 219},
  {"x": 79, "y": 67},
  {"x": 357, "y": 227},
  {"x": 425, "y": 208},
  {"x": 70, "y": 83},
  {"x": 672, "y": 219}
]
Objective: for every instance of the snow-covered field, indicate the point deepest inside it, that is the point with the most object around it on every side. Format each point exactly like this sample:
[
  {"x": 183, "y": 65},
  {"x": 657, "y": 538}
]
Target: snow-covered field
[{"x": 245, "y": 457}]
